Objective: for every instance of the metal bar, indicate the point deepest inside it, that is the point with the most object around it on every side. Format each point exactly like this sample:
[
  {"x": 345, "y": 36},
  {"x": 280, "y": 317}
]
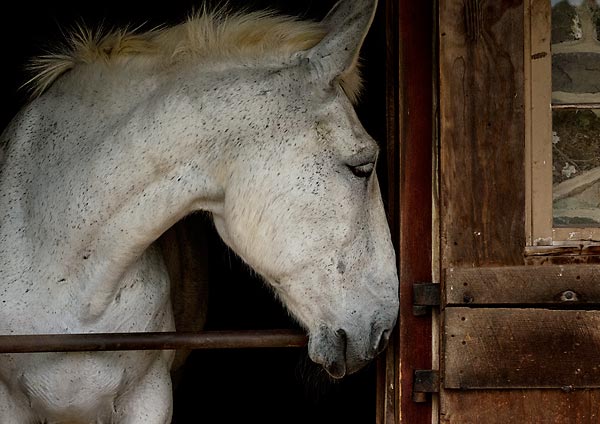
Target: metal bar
[
  {"x": 570, "y": 106},
  {"x": 151, "y": 341}
]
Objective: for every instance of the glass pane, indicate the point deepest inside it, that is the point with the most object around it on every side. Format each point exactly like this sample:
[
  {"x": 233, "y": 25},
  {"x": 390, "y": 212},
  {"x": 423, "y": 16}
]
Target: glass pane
[
  {"x": 576, "y": 131},
  {"x": 576, "y": 167},
  {"x": 565, "y": 22},
  {"x": 575, "y": 51}
]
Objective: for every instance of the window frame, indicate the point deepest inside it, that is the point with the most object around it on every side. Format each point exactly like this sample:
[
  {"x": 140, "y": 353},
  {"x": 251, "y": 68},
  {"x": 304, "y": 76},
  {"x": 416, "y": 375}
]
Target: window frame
[{"x": 540, "y": 231}]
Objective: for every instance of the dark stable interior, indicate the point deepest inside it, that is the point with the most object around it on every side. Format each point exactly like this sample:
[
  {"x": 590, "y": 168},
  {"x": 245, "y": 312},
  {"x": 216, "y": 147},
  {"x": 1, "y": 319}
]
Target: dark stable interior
[{"x": 224, "y": 386}]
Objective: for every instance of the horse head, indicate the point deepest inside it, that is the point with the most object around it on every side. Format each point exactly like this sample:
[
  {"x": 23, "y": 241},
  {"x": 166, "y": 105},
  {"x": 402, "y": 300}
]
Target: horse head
[{"x": 302, "y": 205}]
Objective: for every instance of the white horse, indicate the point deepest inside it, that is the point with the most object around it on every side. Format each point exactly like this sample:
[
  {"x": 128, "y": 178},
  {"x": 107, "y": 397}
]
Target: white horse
[{"x": 247, "y": 117}]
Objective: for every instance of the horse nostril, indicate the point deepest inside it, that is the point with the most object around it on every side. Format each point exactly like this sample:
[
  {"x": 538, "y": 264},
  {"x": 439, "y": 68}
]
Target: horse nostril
[
  {"x": 341, "y": 333},
  {"x": 342, "y": 340},
  {"x": 337, "y": 368}
]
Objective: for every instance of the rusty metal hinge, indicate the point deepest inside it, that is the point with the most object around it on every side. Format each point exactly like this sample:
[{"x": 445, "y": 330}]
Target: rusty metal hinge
[
  {"x": 425, "y": 296},
  {"x": 424, "y": 382}
]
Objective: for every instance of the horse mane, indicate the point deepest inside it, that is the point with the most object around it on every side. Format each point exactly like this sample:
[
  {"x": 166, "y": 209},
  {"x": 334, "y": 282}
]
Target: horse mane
[{"x": 210, "y": 34}]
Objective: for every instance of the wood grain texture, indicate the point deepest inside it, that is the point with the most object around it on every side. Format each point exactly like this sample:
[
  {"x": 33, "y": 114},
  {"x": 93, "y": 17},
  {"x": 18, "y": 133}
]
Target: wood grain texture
[
  {"x": 558, "y": 286},
  {"x": 521, "y": 348},
  {"x": 579, "y": 253},
  {"x": 562, "y": 260},
  {"x": 578, "y": 249},
  {"x": 539, "y": 121},
  {"x": 522, "y": 407},
  {"x": 482, "y": 135},
  {"x": 416, "y": 133},
  {"x": 482, "y": 181}
]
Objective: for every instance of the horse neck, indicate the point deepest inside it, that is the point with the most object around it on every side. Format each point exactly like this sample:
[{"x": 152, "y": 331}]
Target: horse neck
[{"x": 96, "y": 186}]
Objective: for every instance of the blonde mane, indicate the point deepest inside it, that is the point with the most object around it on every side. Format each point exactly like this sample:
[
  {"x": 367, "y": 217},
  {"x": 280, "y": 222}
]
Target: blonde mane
[{"x": 207, "y": 34}]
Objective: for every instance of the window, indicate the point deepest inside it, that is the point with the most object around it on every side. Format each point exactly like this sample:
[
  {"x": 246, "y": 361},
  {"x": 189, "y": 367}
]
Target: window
[{"x": 563, "y": 111}]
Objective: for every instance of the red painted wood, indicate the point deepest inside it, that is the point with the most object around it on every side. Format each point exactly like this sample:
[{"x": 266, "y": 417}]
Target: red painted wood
[{"x": 416, "y": 19}]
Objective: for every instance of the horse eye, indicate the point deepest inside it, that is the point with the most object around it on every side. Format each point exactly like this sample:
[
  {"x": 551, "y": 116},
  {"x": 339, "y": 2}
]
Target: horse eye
[{"x": 362, "y": 171}]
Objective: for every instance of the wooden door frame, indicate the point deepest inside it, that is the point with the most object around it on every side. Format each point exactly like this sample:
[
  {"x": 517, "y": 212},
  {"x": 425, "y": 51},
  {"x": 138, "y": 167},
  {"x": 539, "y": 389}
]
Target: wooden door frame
[{"x": 410, "y": 124}]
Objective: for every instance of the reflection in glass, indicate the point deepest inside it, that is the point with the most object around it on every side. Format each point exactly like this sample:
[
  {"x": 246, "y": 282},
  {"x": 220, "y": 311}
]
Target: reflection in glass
[
  {"x": 576, "y": 167},
  {"x": 576, "y": 113},
  {"x": 575, "y": 51}
]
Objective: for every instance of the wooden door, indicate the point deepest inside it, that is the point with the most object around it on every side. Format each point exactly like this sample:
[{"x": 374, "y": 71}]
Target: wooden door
[{"x": 520, "y": 329}]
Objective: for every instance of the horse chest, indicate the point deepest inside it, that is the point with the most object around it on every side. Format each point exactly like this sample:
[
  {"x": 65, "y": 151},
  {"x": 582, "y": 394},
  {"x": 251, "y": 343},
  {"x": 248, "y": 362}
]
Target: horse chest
[
  {"x": 82, "y": 387},
  {"x": 48, "y": 304}
]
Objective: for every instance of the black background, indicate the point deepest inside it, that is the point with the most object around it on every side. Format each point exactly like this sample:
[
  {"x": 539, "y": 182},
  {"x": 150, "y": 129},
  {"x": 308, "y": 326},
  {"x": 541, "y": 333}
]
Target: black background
[{"x": 249, "y": 386}]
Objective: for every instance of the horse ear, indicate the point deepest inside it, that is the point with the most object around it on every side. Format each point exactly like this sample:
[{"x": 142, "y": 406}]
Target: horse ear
[{"x": 347, "y": 24}]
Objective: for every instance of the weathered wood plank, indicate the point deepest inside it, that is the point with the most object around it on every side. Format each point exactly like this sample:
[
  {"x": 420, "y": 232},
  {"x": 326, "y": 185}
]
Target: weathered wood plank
[
  {"x": 482, "y": 133},
  {"x": 416, "y": 126},
  {"x": 521, "y": 407},
  {"x": 579, "y": 249},
  {"x": 539, "y": 121},
  {"x": 521, "y": 348},
  {"x": 563, "y": 260},
  {"x": 542, "y": 285},
  {"x": 482, "y": 182},
  {"x": 568, "y": 253}
]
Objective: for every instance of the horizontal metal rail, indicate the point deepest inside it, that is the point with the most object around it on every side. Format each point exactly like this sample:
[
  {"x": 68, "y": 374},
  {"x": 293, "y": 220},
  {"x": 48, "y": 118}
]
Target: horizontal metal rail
[{"x": 151, "y": 341}]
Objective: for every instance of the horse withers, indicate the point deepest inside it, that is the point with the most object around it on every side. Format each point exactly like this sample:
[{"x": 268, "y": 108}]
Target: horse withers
[{"x": 245, "y": 116}]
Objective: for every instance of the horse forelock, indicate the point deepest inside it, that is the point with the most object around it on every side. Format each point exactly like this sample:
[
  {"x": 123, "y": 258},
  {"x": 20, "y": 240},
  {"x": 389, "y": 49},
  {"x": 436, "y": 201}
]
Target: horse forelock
[{"x": 209, "y": 35}]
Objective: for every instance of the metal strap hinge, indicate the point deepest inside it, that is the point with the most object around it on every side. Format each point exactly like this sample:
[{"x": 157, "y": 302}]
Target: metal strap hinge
[
  {"x": 424, "y": 382},
  {"x": 425, "y": 296}
]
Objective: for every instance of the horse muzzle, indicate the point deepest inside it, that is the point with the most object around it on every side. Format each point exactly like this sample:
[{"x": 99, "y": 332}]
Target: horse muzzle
[{"x": 344, "y": 351}]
